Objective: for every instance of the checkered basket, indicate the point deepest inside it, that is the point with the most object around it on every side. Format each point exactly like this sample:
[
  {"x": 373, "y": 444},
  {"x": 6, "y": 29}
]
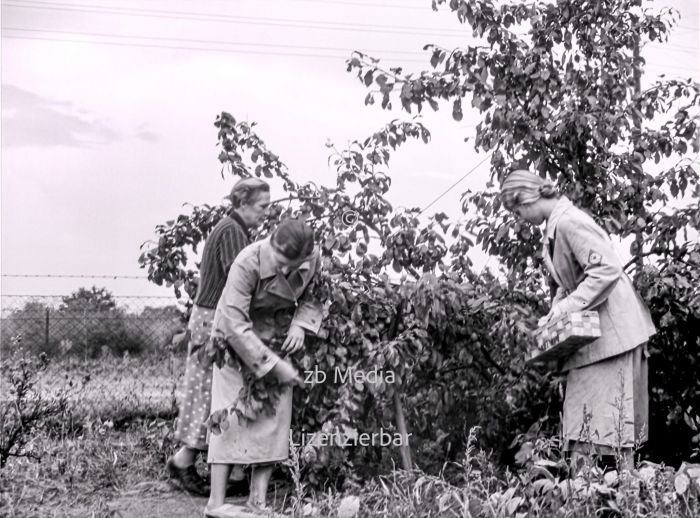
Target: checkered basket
[{"x": 563, "y": 337}]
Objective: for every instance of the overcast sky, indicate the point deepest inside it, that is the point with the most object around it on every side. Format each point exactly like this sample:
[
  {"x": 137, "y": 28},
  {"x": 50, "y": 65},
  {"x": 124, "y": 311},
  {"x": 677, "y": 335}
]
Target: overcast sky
[{"x": 105, "y": 133}]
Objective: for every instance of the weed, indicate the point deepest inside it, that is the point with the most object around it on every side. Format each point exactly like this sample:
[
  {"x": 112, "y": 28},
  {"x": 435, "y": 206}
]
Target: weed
[{"x": 27, "y": 409}]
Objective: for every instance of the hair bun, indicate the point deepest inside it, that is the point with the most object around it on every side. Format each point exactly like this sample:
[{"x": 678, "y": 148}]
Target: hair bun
[{"x": 548, "y": 190}]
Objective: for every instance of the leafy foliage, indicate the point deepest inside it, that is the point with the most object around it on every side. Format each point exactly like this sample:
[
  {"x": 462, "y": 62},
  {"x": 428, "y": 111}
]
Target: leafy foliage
[
  {"x": 437, "y": 317},
  {"x": 257, "y": 396},
  {"x": 556, "y": 88},
  {"x": 542, "y": 486}
]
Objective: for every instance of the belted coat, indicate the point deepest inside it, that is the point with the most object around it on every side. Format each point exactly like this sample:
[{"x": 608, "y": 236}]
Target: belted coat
[
  {"x": 582, "y": 261},
  {"x": 255, "y": 311},
  {"x": 259, "y": 304}
]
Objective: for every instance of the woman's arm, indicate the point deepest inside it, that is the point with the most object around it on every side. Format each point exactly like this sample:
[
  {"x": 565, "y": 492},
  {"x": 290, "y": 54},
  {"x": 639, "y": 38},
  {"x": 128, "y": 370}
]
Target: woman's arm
[
  {"x": 232, "y": 318},
  {"x": 307, "y": 317},
  {"x": 554, "y": 311},
  {"x": 559, "y": 295},
  {"x": 309, "y": 313},
  {"x": 594, "y": 251}
]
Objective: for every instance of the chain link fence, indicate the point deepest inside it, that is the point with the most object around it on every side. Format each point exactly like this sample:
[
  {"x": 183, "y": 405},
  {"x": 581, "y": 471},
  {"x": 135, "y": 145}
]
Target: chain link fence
[{"x": 110, "y": 356}]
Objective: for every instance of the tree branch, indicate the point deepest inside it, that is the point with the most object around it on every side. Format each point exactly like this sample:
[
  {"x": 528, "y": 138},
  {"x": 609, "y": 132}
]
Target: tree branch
[{"x": 653, "y": 251}]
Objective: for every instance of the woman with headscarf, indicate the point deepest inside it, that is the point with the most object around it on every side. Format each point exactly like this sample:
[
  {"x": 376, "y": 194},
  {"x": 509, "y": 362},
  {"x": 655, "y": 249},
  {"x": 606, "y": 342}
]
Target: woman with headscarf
[
  {"x": 582, "y": 261},
  {"x": 266, "y": 301},
  {"x": 250, "y": 198}
]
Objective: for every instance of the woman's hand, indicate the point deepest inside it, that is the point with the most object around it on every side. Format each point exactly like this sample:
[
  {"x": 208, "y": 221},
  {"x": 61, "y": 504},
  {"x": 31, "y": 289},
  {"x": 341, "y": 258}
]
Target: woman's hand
[
  {"x": 295, "y": 340},
  {"x": 553, "y": 315},
  {"x": 286, "y": 373}
]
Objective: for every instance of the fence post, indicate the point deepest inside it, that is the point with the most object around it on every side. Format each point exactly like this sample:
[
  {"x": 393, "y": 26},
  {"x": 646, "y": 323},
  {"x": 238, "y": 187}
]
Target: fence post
[
  {"x": 85, "y": 335},
  {"x": 46, "y": 333}
]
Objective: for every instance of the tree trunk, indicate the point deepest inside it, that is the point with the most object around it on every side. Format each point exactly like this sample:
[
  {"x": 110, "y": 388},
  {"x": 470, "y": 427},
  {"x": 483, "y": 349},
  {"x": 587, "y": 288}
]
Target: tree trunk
[{"x": 405, "y": 448}]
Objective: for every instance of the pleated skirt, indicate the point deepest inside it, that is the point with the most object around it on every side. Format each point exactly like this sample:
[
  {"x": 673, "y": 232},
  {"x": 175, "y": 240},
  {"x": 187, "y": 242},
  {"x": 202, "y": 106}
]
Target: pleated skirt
[{"x": 606, "y": 404}]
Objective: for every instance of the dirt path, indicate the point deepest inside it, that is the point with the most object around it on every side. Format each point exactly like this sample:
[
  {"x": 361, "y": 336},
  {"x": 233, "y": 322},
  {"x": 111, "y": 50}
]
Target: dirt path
[{"x": 156, "y": 499}]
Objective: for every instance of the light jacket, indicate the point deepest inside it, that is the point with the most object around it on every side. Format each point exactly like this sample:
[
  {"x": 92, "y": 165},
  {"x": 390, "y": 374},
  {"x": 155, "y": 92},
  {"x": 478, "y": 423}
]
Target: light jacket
[
  {"x": 259, "y": 304},
  {"x": 582, "y": 260}
]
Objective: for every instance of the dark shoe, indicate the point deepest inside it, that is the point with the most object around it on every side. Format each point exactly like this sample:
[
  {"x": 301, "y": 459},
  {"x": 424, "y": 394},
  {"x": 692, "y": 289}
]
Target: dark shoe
[
  {"x": 238, "y": 487},
  {"x": 188, "y": 478}
]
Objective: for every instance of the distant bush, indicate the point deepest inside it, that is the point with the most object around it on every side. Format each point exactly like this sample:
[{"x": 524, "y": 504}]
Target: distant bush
[{"x": 88, "y": 324}]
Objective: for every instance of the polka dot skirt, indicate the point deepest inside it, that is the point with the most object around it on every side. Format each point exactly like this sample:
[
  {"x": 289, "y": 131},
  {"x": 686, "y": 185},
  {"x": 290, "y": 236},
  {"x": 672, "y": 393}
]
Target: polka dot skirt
[{"x": 196, "y": 396}]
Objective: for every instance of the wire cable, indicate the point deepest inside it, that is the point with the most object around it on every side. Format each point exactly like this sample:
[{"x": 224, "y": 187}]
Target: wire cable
[
  {"x": 454, "y": 184},
  {"x": 424, "y": 7},
  {"x": 221, "y": 42},
  {"x": 242, "y": 20},
  {"x": 653, "y": 66},
  {"x": 222, "y": 18},
  {"x": 690, "y": 50},
  {"x": 172, "y": 47},
  {"x": 18, "y": 295},
  {"x": 53, "y": 276}
]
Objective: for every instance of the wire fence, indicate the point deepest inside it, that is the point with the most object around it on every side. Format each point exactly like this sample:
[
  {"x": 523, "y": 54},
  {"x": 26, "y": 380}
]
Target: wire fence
[{"x": 110, "y": 356}]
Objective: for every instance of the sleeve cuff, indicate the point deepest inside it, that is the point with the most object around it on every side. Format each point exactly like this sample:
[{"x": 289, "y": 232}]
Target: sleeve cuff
[
  {"x": 269, "y": 360},
  {"x": 311, "y": 327}
]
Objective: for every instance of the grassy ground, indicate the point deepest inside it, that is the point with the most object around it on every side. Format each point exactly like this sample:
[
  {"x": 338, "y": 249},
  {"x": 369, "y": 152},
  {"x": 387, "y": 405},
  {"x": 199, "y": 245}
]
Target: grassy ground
[
  {"x": 104, "y": 455},
  {"x": 80, "y": 473},
  {"x": 107, "y": 459},
  {"x": 97, "y": 472},
  {"x": 110, "y": 387}
]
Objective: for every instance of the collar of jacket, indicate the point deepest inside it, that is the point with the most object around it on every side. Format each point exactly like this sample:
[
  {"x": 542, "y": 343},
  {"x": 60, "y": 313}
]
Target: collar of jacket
[
  {"x": 268, "y": 267},
  {"x": 559, "y": 209},
  {"x": 561, "y": 206},
  {"x": 238, "y": 219}
]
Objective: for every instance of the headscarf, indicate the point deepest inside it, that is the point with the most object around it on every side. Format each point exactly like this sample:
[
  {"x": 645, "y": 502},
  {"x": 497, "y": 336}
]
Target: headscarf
[
  {"x": 294, "y": 239},
  {"x": 522, "y": 187}
]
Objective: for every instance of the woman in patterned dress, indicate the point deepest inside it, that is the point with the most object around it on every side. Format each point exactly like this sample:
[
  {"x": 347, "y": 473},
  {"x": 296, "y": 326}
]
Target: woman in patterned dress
[{"x": 250, "y": 198}]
